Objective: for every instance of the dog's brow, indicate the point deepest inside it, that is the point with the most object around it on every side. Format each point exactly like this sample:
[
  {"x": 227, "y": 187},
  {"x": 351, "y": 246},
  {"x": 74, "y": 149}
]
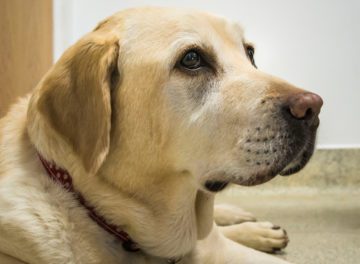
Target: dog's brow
[{"x": 237, "y": 32}]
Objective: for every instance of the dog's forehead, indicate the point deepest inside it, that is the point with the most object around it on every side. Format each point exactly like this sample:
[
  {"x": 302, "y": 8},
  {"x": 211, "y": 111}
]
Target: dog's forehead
[{"x": 166, "y": 27}]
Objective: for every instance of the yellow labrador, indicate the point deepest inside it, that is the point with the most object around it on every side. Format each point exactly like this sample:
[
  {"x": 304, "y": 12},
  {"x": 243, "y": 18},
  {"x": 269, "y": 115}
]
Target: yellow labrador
[{"x": 117, "y": 155}]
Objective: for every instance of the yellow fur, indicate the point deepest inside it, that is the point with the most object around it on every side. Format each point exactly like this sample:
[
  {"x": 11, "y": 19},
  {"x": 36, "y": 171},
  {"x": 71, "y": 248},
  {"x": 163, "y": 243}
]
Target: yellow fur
[{"x": 138, "y": 149}]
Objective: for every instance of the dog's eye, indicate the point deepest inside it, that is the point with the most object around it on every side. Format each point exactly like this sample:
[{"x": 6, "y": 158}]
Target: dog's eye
[
  {"x": 192, "y": 60},
  {"x": 250, "y": 52}
]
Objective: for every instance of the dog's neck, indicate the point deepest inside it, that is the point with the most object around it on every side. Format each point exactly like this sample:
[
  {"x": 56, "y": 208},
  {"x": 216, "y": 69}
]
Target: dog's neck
[
  {"x": 162, "y": 219},
  {"x": 159, "y": 208},
  {"x": 177, "y": 212},
  {"x": 63, "y": 178},
  {"x": 165, "y": 220}
]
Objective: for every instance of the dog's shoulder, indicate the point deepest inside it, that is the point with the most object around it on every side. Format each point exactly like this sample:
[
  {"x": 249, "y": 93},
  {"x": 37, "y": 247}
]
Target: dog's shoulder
[
  {"x": 40, "y": 222},
  {"x": 13, "y": 136}
]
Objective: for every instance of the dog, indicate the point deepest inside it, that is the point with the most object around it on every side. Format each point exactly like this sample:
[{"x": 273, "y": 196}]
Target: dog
[{"x": 118, "y": 153}]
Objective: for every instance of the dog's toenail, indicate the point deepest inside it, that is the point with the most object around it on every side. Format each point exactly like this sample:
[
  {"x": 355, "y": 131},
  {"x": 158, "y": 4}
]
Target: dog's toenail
[{"x": 276, "y": 227}]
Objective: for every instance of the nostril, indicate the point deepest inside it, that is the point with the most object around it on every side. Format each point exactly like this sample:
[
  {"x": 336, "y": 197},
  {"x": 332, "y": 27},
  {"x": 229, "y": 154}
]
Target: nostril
[
  {"x": 308, "y": 114},
  {"x": 299, "y": 108}
]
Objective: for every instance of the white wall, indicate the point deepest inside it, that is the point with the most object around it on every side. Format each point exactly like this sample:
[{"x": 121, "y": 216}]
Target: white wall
[{"x": 313, "y": 44}]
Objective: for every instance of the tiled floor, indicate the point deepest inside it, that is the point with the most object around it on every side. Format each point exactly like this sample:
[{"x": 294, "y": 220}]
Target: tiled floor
[{"x": 323, "y": 227}]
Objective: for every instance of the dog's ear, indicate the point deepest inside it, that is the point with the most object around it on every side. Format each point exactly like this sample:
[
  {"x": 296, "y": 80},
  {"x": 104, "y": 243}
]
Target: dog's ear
[{"x": 75, "y": 98}]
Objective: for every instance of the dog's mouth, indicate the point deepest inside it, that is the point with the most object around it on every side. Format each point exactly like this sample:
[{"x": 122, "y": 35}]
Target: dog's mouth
[
  {"x": 285, "y": 161},
  {"x": 285, "y": 167},
  {"x": 260, "y": 177},
  {"x": 289, "y": 162},
  {"x": 299, "y": 162}
]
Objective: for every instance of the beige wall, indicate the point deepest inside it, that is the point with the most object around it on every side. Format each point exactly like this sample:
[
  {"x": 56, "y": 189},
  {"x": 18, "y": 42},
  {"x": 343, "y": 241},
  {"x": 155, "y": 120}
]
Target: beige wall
[{"x": 25, "y": 47}]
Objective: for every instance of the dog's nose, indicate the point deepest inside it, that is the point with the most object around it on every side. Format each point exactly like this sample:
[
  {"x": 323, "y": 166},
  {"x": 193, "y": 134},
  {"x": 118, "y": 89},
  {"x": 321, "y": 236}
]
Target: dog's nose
[{"x": 305, "y": 105}]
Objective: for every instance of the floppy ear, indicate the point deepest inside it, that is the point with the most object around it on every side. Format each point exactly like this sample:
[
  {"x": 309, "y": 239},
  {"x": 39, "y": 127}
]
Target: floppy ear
[{"x": 75, "y": 98}]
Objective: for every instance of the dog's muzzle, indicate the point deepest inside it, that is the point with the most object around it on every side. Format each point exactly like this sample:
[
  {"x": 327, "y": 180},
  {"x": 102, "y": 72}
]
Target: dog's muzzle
[
  {"x": 286, "y": 152},
  {"x": 302, "y": 116}
]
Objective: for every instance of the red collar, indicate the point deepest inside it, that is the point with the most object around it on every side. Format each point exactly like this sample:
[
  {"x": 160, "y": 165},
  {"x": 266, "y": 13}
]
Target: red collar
[{"x": 63, "y": 177}]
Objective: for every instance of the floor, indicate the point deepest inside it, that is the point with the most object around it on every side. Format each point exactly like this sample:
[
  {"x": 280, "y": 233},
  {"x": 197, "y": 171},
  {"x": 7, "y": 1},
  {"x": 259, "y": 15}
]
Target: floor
[{"x": 323, "y": 227}]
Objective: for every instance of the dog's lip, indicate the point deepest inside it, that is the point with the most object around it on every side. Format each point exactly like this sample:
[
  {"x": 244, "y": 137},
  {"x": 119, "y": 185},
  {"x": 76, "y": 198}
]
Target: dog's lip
[
  {"x": 288, "y": 165},
  {"x": 291, "y": 170},
  {"x": 218, "y": 181},
  {"x": 291, "y": 167},
  {"x": 259, "y": 178},
  {"x": 216, "y": 186},
  {"x": 298, "y": 163},
  {"x": 300, "y": 160}
]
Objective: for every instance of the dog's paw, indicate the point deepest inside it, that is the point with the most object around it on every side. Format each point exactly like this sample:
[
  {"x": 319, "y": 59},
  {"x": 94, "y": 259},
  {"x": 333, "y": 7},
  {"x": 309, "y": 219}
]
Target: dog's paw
[
  {"x": 226, "y": 214},
  {"x": 262, "y": 236}
]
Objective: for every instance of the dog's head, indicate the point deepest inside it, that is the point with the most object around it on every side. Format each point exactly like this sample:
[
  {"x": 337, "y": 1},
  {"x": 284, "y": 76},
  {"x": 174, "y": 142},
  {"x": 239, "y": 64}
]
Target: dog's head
[{"x": 164, "y": 91}]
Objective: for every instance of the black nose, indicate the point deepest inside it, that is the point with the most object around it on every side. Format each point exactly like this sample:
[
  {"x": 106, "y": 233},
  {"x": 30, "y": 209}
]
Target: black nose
[{"x": 304, "y": 106}]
